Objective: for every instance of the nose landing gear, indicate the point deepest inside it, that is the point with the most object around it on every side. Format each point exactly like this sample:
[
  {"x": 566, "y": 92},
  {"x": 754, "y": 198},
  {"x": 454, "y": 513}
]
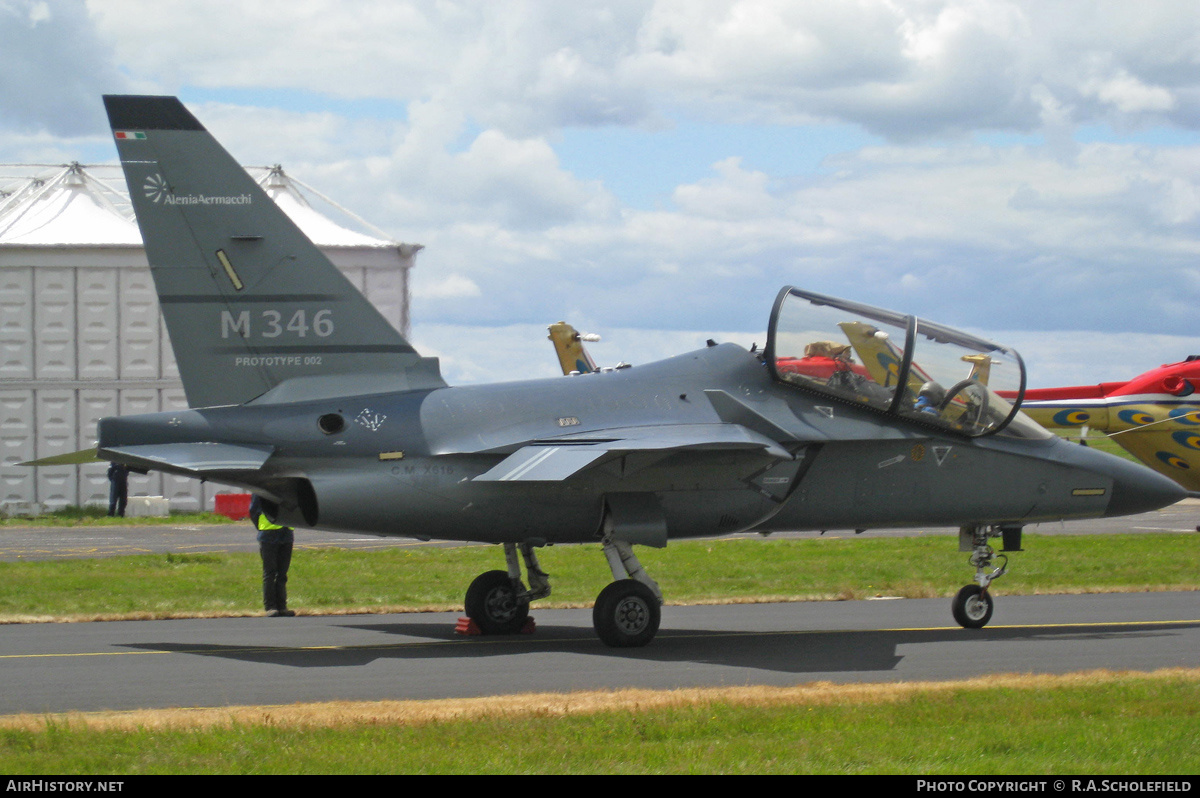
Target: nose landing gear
[{"x": 972, "y": 607}]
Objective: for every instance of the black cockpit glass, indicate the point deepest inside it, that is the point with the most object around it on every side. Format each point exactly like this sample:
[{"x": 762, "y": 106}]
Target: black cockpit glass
[{"x": 897, "y": 364}]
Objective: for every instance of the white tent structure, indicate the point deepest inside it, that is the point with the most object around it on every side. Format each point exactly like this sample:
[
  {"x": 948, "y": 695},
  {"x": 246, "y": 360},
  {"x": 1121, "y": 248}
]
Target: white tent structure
[{"x": 81, "y": 336}]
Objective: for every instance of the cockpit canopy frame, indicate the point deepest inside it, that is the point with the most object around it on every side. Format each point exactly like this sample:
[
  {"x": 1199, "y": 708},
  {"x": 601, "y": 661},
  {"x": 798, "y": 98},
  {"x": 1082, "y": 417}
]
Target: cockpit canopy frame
[{"x": 895, "y": 363}]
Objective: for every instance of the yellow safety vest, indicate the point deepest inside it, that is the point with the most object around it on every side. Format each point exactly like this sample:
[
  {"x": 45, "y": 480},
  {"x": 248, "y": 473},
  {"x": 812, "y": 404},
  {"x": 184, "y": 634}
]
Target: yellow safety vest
[{"x": 264, "y": 524}]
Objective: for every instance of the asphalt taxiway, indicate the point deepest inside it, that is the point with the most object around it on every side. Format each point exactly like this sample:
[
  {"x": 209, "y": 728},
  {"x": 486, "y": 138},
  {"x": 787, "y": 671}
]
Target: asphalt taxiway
[
  {"x": 122, "y": 665},
  {"x": 48, "y": 668}
]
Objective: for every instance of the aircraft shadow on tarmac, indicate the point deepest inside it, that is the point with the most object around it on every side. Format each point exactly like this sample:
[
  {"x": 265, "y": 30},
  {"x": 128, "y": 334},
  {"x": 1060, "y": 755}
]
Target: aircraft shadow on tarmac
[{"x": 785, "y": 652}]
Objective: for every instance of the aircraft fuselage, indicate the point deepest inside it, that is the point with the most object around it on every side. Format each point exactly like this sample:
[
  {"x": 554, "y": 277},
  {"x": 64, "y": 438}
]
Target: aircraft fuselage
[{"x": 410, "y": 464}]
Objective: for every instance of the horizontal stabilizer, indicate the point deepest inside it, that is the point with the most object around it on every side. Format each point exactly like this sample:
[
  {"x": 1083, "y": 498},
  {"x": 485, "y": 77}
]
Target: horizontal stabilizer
[
  {"x": 82, "y": 457},
  {"x": 556, "y": 459},
  {"x": 191, "y": 458}
]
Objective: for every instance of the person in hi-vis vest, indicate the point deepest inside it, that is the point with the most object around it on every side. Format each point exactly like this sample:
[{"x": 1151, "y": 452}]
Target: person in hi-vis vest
[{"x": 275, "y": 546}]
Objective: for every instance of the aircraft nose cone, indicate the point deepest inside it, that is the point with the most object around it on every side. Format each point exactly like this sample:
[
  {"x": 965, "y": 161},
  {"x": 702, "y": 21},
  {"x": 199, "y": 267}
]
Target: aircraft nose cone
[{"x": 1137, "y": 489}]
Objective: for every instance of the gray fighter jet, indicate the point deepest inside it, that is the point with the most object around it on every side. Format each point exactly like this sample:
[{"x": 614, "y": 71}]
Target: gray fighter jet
[{"x": 302, "y": 393}]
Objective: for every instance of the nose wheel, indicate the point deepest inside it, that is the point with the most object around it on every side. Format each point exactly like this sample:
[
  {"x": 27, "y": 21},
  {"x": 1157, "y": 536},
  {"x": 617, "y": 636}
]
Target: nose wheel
[{"x": 972, "y": 607}]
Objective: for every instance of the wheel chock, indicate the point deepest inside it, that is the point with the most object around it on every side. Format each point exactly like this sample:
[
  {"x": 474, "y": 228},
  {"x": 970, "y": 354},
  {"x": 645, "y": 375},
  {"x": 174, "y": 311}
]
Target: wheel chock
[{"x": 466, "y": 626}]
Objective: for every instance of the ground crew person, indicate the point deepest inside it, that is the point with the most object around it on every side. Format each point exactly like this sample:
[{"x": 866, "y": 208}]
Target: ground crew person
[
  {"x": 118, "y": 489},
  {"x": 275, "y": 546}
]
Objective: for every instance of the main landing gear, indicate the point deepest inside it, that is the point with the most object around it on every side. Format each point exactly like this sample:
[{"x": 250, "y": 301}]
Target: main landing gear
[
  {"x": 498, "y": 601},
  {"x": 626, "y": 613},
  {"x": 972, "y": 607}
]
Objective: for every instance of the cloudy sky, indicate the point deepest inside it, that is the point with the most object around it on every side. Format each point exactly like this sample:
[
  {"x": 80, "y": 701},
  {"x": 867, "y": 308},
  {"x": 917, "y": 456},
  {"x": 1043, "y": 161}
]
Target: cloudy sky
[{"x": 655, "y": 170}]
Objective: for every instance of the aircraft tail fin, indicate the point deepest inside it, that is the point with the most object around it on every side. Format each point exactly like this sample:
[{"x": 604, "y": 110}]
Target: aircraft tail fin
[
  {"x": 568, "y": 345},
  {"x": 253, "y": 308}
]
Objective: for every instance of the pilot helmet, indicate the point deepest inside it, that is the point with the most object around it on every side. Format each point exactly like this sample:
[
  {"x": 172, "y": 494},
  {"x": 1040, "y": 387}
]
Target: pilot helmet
[{"x": 932, "y": 392}]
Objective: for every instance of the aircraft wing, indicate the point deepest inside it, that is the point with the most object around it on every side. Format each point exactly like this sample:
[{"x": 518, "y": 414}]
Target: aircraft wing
[
  {"x": 1172, "y": 454},
  {"x": 195, "y": 459},
  {"x": 1067, "y": 414},
  {"x": 556, "y": 459}
]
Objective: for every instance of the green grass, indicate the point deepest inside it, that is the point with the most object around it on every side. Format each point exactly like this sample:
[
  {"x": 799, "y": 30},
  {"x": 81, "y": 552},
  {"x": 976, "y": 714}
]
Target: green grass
[
  {"x": 92, "y": 515},
  {"x": 1131, "y": 725},
  {"x": 1125, "y": 724},
  {"x": 435, "y": 578},
  {"x": 1101, "y": 442}
]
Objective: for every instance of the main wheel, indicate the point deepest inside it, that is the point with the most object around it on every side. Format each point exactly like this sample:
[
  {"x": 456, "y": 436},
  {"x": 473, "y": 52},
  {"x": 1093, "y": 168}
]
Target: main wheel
[
  {"x": 972, "y": 607},
  {"x": 493, "y": 605},
  {"x": 626, "y": 614}
]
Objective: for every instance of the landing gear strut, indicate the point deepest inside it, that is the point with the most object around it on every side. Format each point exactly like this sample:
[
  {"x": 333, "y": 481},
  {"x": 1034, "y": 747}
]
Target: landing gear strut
[
  {"x": 498, "y": 602},
  {"x": 627, "y": 612},
  {"x": 972, "y": 607}
]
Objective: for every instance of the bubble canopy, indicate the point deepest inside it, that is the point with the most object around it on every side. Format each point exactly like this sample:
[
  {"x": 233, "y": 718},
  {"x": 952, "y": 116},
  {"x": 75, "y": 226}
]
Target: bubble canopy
[{"x": 897, "y": 364}]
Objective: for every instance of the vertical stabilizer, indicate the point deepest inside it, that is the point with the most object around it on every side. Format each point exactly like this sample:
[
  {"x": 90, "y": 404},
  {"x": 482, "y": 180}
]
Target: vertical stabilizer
[
  {"x": 568, "y": 345},
  {"x": 251, "y": 305}
]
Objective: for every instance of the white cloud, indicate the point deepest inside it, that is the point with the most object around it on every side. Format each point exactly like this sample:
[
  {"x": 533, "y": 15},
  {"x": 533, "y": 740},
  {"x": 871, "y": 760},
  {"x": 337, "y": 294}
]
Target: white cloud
[
  {"x": 450, "y": 286},
  {"x": 39, "y": 12},
  {"x": 1070, "y": 235},
  {"x": 54, "y": 69},
  {"x": 903, "y": 70},
  {"x": 735, "y": 193},
  {"x": 1129, "y": 95},
  {"x": 481, "y": 354},
  {"x": 1060, "y": 358},
  {"x": 957, "y": 235},
  {"x": 387, "y": 49}
]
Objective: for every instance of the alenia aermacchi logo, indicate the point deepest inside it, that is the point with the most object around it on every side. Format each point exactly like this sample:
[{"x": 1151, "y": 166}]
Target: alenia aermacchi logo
[
  {"x": 158, "y": 191},
  {"x": 155, "y": 188}
]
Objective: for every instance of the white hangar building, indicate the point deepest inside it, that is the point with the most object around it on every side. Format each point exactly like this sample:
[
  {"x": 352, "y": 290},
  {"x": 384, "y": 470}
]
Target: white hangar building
[{"x": 81, "y": 336}]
